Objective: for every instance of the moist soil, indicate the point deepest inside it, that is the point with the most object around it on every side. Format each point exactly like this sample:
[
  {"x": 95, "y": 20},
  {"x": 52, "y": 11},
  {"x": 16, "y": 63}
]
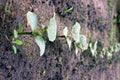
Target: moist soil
[{"x": 58, "y": 63}]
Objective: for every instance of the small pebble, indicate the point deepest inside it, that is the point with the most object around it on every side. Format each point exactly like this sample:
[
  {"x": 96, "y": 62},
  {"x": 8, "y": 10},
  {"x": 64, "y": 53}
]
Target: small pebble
[{"x": 9, "y": 67}]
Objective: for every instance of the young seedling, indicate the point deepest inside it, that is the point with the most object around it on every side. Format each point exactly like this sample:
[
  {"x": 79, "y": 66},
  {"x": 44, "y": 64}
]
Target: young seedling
[
  {"x": 7, "y": 10},
  {"x": 64, "y": 12},
  {"x": 65, "y": 33},
  {"x": 15, "y": 41},
  {"x": 109, "y": 55},
  {"x": 80, "y": 41},
  {"x": 20, "y": 28},
  {"x": 37, "y": 34},
  {"x": 93, "y": 48},
  {"x": 83, "y": 43},
  {"x": 102, "y": 52},
  {"x": 113, "y": 49}
]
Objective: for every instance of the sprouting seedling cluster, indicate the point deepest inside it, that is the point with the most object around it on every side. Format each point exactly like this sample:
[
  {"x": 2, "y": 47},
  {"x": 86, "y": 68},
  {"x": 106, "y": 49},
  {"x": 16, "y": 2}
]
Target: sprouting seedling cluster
[
  {"x": 93, "y": 48},
  {"x": 66, "y": 11},
  {"x": 51, "y": 29},
  {"x": 104, "y": 52},
  {"x": 79, "y": 40},
  {"x": 15, "y": 41}
]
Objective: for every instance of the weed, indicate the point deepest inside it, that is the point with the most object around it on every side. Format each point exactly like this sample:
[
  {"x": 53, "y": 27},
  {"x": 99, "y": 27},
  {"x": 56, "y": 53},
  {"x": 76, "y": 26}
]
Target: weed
[
  {"x": 66, "y": 11},
  {"x": 15, "y": 41},
  {"x": 7, "y": 10}
]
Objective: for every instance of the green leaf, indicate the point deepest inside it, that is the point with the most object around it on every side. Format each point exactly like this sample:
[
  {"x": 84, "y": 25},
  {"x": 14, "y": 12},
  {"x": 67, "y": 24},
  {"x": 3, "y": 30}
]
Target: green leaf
[
  {"x": 76, "y": 32},
  {"x": 117, "y": 47},
  {"x": 18, "y": 42},
  {"x": 83, "y": 42},
  {"x": 69, "y": 10},
  {"x": 102, "y": 52},
  {"x": 93, "y": 48},
  {"x": 32, "y": 20},
  {"x": 69, "y": 42},
  {"x": 14, "y": 49},
  {"x": 109, "y": 55},
  {"x": 7, "y": 10},
  {"x": 52, "y": 29},
  {"x": 15, "y": 33},
  {"x": 43, "y": 73},
  {"x": 41, "y": 43},
  {"x": 65, "y": 31},
  {"x": 76, "y": 50}
]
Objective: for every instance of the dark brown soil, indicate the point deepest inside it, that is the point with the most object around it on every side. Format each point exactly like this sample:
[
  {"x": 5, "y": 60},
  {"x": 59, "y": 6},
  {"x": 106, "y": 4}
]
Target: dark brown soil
[{"x": 58, "y": 63}]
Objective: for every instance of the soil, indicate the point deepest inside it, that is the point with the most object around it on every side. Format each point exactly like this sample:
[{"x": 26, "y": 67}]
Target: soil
[{"x": 58, "y": 63}]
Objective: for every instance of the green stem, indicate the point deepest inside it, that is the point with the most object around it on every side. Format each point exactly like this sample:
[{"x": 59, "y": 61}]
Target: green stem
[
  {"x": 61, "y": 36},
  {"x": 25, "y": 33}
]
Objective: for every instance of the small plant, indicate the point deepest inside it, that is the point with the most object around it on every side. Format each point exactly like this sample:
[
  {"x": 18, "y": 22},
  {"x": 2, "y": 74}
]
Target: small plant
[
  {"x": 113, "y": 49},
  {"x": 93, "y": 48},
  {"x": 7, "y": 10},
  {"x": 15, "y": 41},
  {"x": 103, "y": 52},
  {"x": 43, "y": 73},
  {"x": 66, "y": 11},
  {"x": 37, "y": 34},
  {"x": 65, "y": 33},
  {"x": 79, "y": 40}
]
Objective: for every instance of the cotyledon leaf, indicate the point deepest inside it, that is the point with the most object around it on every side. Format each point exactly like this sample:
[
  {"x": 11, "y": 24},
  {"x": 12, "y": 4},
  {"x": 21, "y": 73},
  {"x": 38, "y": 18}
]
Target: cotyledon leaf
[
  {"x": 93, "y": 48},
  {"x": 69, "y": 42},
  {"x": 76, "y": 50},
  {"x": 18, "y": 42},
  {"x": 41, "y": 43},
  {"x": 32, "y": 20},
  {"x": 83, "y": 42},
  {"x": 65, "y": 32},
  {"x": 52, "y": 29},
  {"x": 14, "y": 49},
  {"x": 76, "y": 32},
  {"x": 15, "y": 33}
]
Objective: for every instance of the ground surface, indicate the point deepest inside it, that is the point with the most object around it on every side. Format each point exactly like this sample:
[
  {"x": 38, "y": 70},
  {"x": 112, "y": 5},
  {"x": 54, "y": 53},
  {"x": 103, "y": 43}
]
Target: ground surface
[{"x": 58, "y": 63}]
